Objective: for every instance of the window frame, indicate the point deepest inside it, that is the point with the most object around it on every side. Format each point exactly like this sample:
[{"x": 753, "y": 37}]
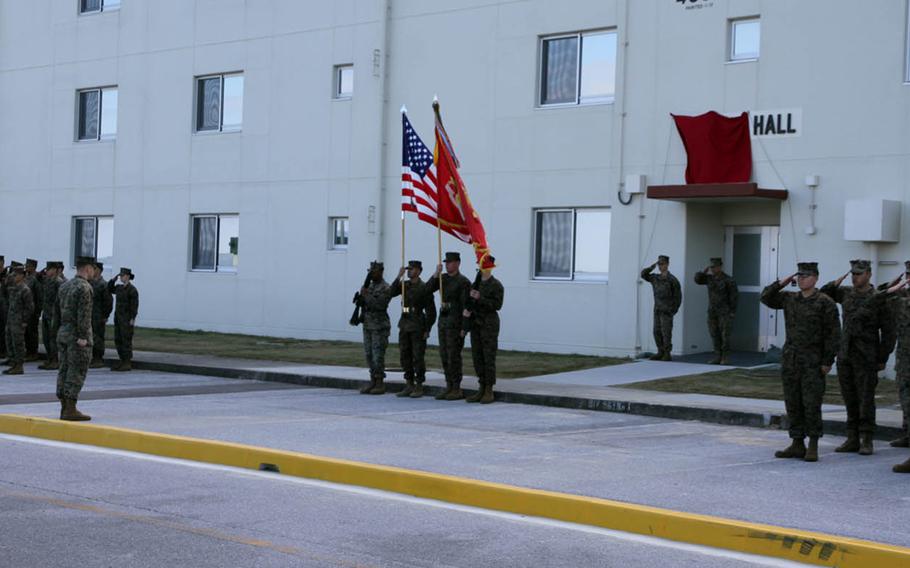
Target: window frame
[
  {"x": 732, "y": 23},
  {"x": 579, "y": 36},
  {"x": 215, "y": 266},
  {"x": 336, "y": 91},
  {"x": 100, "y": 90},
  {"x": 221, "y": 128},
  {"x": 572, "y": 277},
  {"x": 96, "y": 219},
  {"x": 101, "y": 8},
  {"x": 333, "y": 246},
  {"x": 907, "y": 45}
]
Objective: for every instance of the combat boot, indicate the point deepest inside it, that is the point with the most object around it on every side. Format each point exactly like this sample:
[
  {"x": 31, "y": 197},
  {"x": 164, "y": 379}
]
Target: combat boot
[
  {"x": 902, "y": 467},
  {"x": 445, "y": 393},
  {"x": 657, "y": 356},
  {"x": 124, "y": 366},
  {"x": 43, "y": 366},
  {"x": 418, "y": 391},
  {"x": 902, "y": 442},
  {"x": 455, "y": 393},
  {"x": 487, "y": 397},
  {"x": 30, "y": 357},
  {"x": 96, "y": 363},
  {"x": 369, "y": 387},
  {"x": 851, "y": 444},
  {"x": 666, "y": 356},
  {"x": 379, "y": 387},
  {"x": 812, "y": 450},
  {"x": 14, "y": 370},
  {"x": 797, "y": 449},
  {"x": 53, "y": 365},
  {"x": 723, "y": 358},
  {"x": 477, "y": 395},
  {"x": 407, "y": 390},
  {"x": 70, "y": 413},
  {"x": 716, "y": 360},
  {"x": 865, "y": 444}
]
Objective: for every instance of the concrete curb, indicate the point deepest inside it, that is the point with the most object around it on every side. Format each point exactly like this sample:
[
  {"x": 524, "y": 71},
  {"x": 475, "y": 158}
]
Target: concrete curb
[
  {"x": 675, "y": 412},
  {"x": 751, "y": 538}
]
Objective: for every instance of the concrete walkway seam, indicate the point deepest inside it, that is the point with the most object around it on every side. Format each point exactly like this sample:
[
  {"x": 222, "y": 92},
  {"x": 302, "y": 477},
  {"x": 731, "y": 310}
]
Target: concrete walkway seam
[
  {"x": 724, "y": 417},
  {"x": 751, "y": 538}
]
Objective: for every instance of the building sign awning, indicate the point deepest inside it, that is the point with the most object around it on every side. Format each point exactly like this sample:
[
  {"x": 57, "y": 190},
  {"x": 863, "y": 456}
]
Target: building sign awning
[{"x": 715, "y": 192}]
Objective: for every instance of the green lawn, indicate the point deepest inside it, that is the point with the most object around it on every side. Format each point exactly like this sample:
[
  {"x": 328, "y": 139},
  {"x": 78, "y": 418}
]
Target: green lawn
[
  {"x": 510, "y": 364},
  {"x": 754, "y": 383}
]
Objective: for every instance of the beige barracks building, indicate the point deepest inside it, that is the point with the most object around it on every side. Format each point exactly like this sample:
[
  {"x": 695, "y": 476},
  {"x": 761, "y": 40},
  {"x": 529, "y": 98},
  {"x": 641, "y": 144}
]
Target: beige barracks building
[{"x": 243, "y": 157}]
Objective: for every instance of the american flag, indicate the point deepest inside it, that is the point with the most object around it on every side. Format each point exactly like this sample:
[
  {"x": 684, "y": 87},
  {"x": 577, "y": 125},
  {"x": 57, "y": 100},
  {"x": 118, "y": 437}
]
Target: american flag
[{"x": 418, "y": 177}]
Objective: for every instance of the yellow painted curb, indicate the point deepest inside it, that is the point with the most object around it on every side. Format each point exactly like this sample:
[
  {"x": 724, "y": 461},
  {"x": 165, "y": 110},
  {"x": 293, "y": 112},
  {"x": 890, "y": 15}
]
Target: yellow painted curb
[{"x": 767, "y": 540}]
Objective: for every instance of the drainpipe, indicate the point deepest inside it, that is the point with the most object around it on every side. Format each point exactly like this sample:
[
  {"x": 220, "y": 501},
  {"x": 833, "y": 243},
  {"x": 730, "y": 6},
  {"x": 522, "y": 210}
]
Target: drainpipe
[{"x": 380, "y": 71}]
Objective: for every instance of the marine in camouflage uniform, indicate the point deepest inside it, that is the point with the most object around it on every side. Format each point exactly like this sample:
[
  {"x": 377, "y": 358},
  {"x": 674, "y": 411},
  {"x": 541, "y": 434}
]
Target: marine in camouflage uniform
[
  {"x": 8, "y": 283},
  {"x": 21, "y": 308},
  {"x": 417, "y": 318},
  {"x": 376, "y": 327},
  {"x": 4, "y": 306},
  {"x": 667, "y": 299},
  {"x": 102, "y": 306},
  {"x": 723, "y": 296},
  {"x": 74, "y": 340},
  {"x": 866, "y": 343},
  {"x": 455, "y": 289},
  {"x": 899, "y": 302},
  {"x": 50, "y": 317},
  {"x": 483, "y": 318},
  {"x": 124, "y": 316},
  {"x": 34, "y": 280},
  {"x": 813, "y": 333}
]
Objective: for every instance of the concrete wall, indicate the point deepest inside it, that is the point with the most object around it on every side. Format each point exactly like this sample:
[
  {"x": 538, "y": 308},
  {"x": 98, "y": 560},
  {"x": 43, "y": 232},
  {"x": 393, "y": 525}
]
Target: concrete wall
[{"x": 302, "y": 156}]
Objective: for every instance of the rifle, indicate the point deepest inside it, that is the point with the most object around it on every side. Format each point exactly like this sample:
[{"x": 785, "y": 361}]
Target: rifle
[
  {"x": 357, "y": 316},
  {"x": 470, "y": 304}
]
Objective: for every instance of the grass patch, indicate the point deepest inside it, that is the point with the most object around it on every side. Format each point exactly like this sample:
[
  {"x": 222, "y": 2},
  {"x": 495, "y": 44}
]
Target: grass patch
[
  {"x": 509, "y": 364},
  {"x": 754, "y": 383}
]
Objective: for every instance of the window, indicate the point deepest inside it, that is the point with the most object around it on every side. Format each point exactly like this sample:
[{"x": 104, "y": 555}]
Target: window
[
  {"x": 338, "y": 233},
  {"x": 907, "y": 51},
  {"x": 94, "y": 6},
  {"x": 219, "y": 103},
  {"x": 93, "y": 236},
  {"x": 344, "y": 81},
  {"x": 578, "y": 68},
  {"x": 572, "y": 244},
  {"x": 216, "y": 239},
  {"x": 745, "y": 39},
  {"x": 97, "y": 109}
]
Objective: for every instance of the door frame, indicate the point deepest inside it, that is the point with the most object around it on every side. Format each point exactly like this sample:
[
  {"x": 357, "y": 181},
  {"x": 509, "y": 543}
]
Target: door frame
[{"x": 769, "y": 324}]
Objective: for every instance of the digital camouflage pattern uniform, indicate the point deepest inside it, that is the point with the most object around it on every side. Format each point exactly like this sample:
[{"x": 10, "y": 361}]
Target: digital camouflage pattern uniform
[
  {"x": 485, "y": 329},
  {"x": 900, "y": 307},
  {"x": 35, "y": 285},
  {"x": 667, "y": 299},
  {"x": 413, "y": 327},
  {"x": 4, "y": 308},
  {"x": 376, "y": 326},
  {"x": 866, "y": 342},
  {"x": 75, "y": 305},
  {"x": 126, "y": 311},
  {"x": 50, "y": 317},
  {"x": 102, "y": 306},
  {"x": 813, "y": 333},
  {"x": 723, "y": 296},
  {"x": 21, "y": 308},
  {"x": 451, "y": 342}
]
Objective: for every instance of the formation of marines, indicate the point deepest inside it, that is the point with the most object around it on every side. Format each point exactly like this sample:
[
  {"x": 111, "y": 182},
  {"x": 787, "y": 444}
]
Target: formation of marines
[
  {"x": 72, "y": 314},
  {"x": 465, "y": 308}
]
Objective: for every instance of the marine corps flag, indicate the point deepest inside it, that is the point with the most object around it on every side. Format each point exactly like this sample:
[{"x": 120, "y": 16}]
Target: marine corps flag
[{"x": 455, "y": 214}]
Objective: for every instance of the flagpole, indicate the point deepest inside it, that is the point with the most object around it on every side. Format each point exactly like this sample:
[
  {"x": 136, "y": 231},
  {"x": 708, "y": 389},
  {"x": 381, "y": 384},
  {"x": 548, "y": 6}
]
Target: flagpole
[
  {"x": 404, "y": 307},
  {"x": 439, "y": 257}
]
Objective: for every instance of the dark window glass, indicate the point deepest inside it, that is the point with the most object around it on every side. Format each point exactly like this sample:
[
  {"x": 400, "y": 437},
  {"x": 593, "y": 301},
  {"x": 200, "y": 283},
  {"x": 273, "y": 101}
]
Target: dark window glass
[
  {"x": 554, "y": 244},
  {"x": 89, "y": 113},
  {"x": 91, "y": 5},
  {"x": 205, "y": 241},
  {"x": 208, "y": 104},
  {"x": 84, "y": 242},
  {"x": 559, "y": 69}
]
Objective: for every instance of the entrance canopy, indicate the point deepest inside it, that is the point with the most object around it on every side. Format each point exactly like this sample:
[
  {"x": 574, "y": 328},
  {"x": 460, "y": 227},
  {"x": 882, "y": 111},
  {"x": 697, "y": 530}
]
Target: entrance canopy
[{"x": 715, "y": 192}]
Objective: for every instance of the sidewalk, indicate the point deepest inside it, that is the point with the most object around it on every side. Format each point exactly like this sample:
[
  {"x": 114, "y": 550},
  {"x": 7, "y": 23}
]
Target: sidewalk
[{"x": 591, "y": 389}]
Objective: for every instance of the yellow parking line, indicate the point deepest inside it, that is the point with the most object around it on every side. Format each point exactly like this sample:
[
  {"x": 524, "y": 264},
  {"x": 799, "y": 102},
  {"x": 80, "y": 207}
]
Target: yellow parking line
[{"x": 752, "y": 538}]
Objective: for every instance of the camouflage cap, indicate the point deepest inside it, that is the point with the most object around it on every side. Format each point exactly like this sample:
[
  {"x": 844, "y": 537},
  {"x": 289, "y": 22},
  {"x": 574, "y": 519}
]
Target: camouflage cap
[
  {"x": 907, "y": 266},
  {"x": 376, "y": 265},
  {"x": 20, "y": 269},
  {"x": 100, "y": 265},
  {"x": 453, "y": 256},
  {"x": 49, "y": 265},
  {"x": 2, "y": 258},
  {"x": 124, "y": 271},
  {"x": 84, "y": 261},
  {"x": 415, "y": 264},
  {"x": 860, "y": 266},
  {"x": 31, "y": 263},
  {"x": 807, "y": 268},
  {"x": 663, "y": 258},
  {"x": 59, "y": 264},
  {"x": 14, "y": 264},
  {"x": 716, "y": 261}
]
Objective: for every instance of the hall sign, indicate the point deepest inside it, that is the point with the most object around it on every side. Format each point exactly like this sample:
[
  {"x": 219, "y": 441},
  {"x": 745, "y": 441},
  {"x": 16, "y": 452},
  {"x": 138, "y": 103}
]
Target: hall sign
[
  {"x": 696, "y": 4},
  {"x": 783, "y": 123}
]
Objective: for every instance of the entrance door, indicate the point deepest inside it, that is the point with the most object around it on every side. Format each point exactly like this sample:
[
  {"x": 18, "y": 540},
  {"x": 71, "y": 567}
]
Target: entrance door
[{"x": 750, "y": 255}]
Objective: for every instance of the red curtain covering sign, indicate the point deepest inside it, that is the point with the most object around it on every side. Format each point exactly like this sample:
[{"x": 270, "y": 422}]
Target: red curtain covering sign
[{"x": 718, "y": 147}]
